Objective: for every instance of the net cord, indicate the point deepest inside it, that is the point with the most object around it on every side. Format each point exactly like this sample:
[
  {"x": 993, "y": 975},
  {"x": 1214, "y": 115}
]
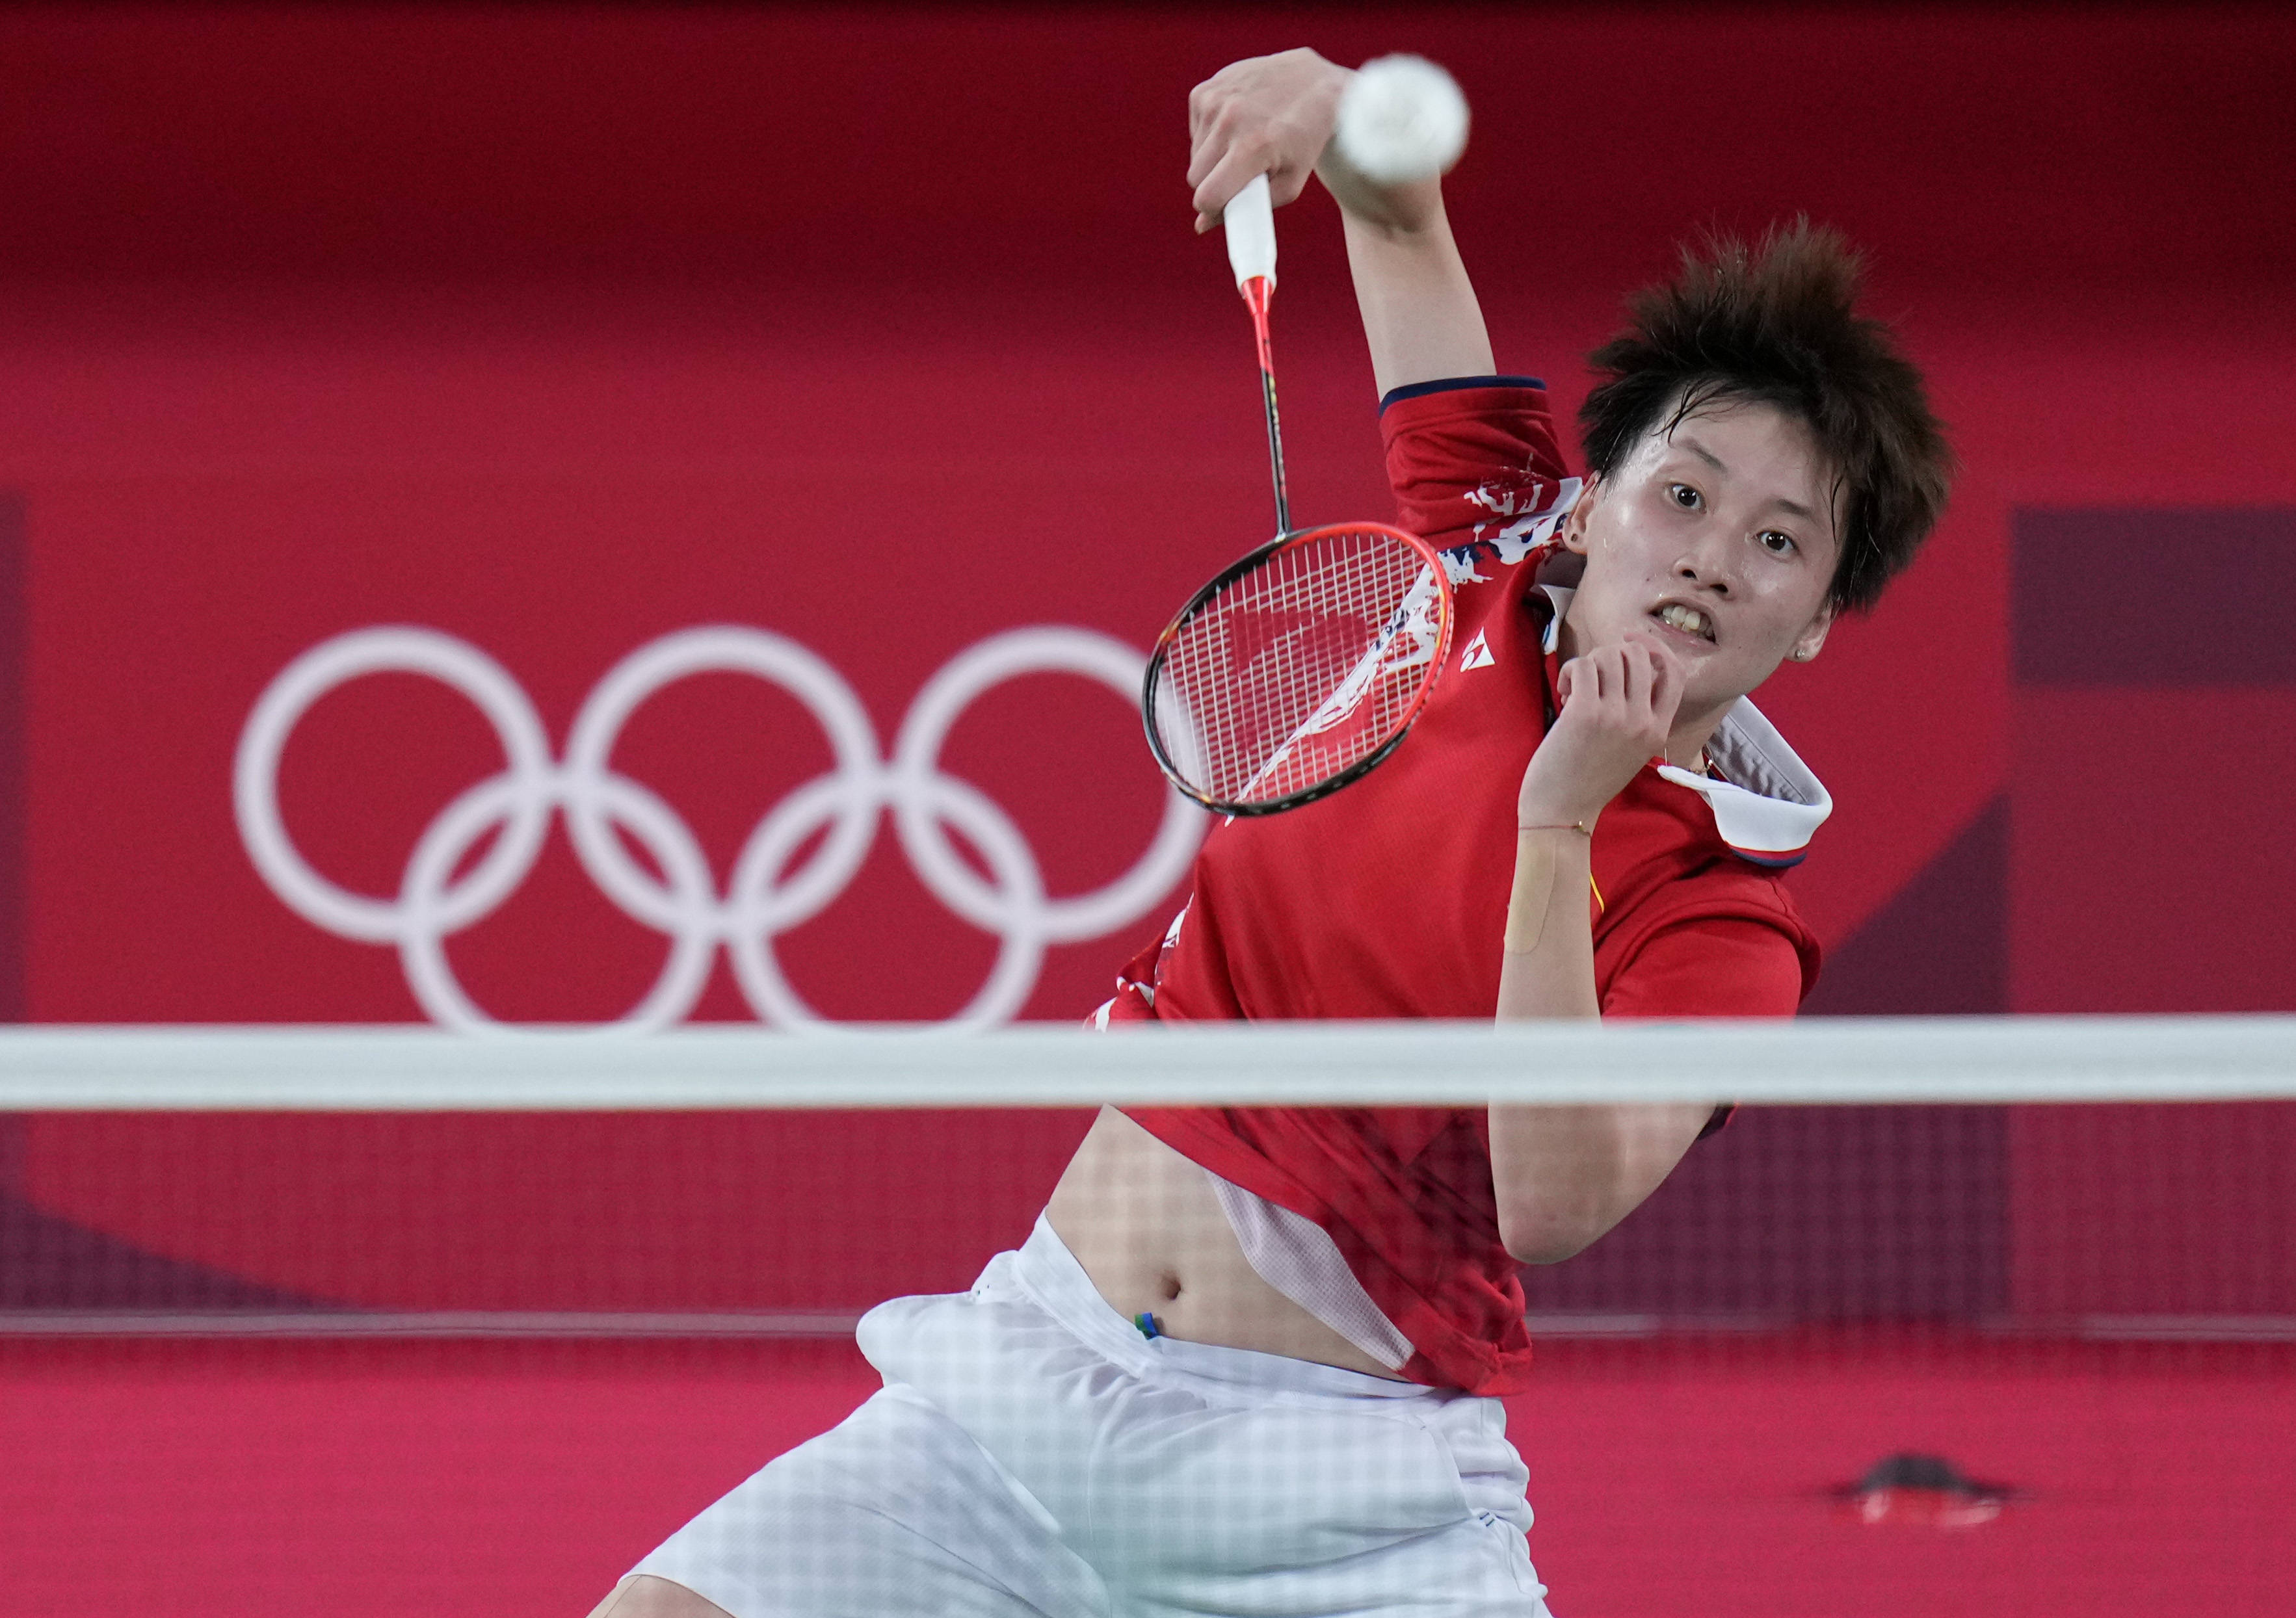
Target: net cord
[{"x": 1814, "y": 1061}]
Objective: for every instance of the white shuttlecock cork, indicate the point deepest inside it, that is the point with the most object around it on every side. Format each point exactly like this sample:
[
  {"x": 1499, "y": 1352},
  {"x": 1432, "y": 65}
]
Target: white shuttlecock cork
[{"x": 1401, "y": 118}]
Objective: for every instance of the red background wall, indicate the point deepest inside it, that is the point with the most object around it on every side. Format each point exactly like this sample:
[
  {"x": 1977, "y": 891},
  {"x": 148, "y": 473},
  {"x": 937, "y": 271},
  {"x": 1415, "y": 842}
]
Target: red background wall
[{"x": 885, "y": 331}]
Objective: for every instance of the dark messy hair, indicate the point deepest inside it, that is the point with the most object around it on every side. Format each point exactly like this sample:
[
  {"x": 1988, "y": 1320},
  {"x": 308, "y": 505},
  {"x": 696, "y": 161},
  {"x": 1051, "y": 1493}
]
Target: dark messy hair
[{"x": 1777, "y": 323}]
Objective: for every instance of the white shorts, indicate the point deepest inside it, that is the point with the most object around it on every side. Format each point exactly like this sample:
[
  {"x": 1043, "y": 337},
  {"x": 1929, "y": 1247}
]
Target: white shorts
[{"x": 1031, "y": 1453}]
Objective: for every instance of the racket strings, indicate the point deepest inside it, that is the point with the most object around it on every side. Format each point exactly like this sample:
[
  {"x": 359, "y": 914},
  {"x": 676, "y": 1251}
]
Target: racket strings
[{"x": 1302, "y": 667}]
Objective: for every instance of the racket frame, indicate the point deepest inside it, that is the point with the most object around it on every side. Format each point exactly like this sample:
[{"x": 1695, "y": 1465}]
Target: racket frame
[{"x": 1153, "y": 677}]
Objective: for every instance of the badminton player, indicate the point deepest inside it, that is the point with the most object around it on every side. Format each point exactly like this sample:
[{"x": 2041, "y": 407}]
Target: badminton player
[{"x": 1249, "y": 1360}]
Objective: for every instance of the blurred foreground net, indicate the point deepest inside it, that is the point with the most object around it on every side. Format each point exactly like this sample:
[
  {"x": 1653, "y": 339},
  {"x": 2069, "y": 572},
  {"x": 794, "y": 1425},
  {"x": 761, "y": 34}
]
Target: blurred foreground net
[
  {"x": 1879, "y": 1170},
  {"x": 2031, "y": 1280}
]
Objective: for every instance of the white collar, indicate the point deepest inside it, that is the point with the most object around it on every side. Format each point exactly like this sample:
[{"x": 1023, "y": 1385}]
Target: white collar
[{"x": 1772, "y": 804}]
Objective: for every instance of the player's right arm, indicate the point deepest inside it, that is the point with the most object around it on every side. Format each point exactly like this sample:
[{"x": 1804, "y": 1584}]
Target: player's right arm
[{"x": 1275, "y": 115}]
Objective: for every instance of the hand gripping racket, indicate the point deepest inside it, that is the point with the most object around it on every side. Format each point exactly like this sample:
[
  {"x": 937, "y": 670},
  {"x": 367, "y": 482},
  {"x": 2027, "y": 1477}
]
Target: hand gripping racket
[{"x": 1300, "y": 666}]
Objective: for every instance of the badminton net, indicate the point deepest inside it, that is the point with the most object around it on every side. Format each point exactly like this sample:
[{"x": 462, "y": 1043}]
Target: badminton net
[{"x": 2037, "y": 1272}]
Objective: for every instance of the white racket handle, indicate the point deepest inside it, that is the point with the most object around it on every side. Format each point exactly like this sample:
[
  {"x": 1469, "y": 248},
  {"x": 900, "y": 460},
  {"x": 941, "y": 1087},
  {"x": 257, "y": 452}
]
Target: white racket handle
[{"x": 1250, "y": 219}]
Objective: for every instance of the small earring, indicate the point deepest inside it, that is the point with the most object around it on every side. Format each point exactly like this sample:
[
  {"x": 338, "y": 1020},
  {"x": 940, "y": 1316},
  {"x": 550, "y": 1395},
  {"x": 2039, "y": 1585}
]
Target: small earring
[{"x": 1803, "y": 657}]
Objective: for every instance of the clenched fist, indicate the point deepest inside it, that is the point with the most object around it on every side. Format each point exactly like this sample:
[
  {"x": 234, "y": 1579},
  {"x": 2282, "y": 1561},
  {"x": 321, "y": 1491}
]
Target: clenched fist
[{"x": 1617, "y": 706}]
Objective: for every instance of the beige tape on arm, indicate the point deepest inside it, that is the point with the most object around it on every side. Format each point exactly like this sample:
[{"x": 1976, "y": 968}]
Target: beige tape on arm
[{"x": 1537, "y": 859}]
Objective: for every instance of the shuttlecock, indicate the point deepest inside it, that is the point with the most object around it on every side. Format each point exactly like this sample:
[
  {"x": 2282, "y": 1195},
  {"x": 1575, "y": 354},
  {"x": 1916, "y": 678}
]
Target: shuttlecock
[{"x": 1401, "y": 118}]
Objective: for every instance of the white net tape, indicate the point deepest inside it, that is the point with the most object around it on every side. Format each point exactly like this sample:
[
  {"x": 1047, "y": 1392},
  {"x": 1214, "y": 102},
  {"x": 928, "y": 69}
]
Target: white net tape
[{"x": 1861, "y": 1060}]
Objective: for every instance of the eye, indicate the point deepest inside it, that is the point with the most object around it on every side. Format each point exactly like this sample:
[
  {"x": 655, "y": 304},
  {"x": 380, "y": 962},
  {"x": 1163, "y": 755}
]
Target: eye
[
  {"x": 1683, "y": 496},
  {"x": 1776, "y": 542}
]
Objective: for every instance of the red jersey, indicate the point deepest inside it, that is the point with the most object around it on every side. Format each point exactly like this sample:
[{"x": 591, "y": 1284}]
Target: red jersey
[{"x": 1387, "y": 899}]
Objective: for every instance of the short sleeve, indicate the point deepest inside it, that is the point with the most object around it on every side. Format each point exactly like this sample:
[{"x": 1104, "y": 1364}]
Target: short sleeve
[
  {"x": 1715, "y": 965},
  {"x": 1464, "y": 455},
  {"x": 1712, "y": 966}
]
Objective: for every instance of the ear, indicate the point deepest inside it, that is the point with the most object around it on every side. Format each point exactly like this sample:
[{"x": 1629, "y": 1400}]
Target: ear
[
  {"x": 1812, "y": 639},
  {"x": 1574, "y": 525}
]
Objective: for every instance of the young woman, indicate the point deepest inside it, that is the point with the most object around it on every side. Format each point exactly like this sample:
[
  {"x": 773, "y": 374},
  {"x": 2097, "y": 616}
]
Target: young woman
[{"x": 1249, "y": 1360}]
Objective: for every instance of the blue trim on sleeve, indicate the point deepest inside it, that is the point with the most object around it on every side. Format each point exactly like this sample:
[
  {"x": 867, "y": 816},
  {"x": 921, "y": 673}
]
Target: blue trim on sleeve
[
  {"x": 1775, "y": 862},
  {"x": 1413, "y": 390}
]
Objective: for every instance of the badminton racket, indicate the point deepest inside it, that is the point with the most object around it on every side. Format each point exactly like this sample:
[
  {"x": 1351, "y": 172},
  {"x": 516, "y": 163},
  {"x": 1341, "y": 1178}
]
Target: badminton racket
[{"x": 1300, "y": 666}]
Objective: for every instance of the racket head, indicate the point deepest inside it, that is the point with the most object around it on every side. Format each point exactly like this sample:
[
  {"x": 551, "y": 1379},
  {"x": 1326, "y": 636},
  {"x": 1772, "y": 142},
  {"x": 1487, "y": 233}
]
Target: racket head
[{"x": 1299, "y": 667}]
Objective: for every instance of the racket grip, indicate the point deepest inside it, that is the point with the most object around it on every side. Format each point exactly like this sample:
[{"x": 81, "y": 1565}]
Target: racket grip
[{"x": 1250, "y": 219}]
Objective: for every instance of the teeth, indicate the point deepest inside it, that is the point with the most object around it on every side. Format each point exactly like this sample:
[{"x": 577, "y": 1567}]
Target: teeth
[{"x": 1688, "y": 619}]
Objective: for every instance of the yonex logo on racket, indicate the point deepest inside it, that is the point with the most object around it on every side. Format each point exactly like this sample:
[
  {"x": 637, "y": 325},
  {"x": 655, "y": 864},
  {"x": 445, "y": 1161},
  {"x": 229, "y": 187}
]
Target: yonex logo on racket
[{"x": 764, "y": 895}]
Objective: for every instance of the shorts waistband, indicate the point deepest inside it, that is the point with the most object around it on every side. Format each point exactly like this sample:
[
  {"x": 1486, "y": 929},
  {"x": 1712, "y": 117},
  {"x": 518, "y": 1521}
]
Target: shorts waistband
[{"x": 1049, "y": 1273}]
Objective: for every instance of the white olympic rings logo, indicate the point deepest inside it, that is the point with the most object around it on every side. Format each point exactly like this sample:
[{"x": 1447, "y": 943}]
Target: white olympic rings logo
[{"x": 762, "y": 896}]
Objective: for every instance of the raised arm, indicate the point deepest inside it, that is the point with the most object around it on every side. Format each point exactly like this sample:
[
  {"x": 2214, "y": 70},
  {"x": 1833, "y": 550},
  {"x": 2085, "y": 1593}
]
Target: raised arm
[{"x": 1274, "y": 115}]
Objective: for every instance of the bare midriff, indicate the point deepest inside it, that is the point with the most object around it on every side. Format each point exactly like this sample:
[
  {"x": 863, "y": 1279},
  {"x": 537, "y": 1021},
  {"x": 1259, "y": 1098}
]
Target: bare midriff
[{"x": 1148, "y": 1229}]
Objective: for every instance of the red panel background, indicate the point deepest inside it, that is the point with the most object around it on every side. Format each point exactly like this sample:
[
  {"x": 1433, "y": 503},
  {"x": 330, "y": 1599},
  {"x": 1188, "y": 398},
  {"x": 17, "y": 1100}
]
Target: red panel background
[
  {"x": 561, "y": 330},
  {"x": 558, "y": 329}
]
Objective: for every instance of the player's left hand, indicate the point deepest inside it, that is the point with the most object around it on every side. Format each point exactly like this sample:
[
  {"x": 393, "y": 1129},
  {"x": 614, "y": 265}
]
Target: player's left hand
[{"x": 1618, "y": 705}]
